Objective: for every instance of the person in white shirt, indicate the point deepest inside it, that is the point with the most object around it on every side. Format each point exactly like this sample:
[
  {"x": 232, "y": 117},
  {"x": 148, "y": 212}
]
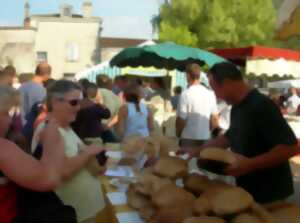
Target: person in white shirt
[
  {"x": 197, "y": 111},
  {"x": 224, "y": 115},
  {"x": 293, "y": 101}
]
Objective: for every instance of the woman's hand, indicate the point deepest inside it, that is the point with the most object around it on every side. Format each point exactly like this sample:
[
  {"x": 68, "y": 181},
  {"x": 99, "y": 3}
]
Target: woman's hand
[
  {"x": 50, "y": 132},
  {"x": 93, "y": 150}
]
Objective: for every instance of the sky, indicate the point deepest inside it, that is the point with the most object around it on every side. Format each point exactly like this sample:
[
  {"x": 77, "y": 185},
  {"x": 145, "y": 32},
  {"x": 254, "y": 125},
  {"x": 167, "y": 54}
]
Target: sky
[{"x": 121, "y": 18}]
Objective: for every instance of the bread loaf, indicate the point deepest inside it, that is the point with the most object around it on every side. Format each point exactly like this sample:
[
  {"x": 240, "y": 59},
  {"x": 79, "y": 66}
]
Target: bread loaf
[
  {"x": 171, "y": 167},
  {"x": 171, "y": 196},
  {"x": 231, "y": 201}
]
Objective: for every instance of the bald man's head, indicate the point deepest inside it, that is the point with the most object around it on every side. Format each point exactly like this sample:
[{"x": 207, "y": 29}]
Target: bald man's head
[{"x": 43, "y": 70}]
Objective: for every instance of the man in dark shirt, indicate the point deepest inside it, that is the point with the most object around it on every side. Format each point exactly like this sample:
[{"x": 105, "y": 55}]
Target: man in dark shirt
[{"x": 258, "y": 134}]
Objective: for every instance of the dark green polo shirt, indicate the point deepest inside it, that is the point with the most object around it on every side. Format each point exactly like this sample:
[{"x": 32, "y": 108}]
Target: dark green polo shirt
[{"x": 257, "y": 126}]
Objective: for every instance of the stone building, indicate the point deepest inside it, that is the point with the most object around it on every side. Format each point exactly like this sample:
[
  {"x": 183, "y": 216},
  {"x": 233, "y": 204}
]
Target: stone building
[{"x": 67, "y": 41}]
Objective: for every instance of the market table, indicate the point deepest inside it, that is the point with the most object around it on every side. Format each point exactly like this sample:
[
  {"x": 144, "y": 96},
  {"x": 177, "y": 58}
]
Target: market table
[{"x": 117, "y": 209}]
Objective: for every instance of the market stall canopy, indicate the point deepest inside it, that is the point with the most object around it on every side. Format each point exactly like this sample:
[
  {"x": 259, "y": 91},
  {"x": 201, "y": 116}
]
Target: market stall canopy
[
  {"x": 102, "y": 68},
  {"x": 280, "y": 67},
  {"x": 144, "y": 71},
  {"x": 260, "y": 60},
  {"x": 253, "y": 52},
  {"x": 167, "y": 55},
  {"x": 284, "y": 84}
]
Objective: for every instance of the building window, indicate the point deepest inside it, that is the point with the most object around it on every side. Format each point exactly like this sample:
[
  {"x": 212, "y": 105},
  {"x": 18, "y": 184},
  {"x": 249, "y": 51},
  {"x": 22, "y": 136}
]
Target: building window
[
  {"x": 72, "y": 52},
  {"x": 42, "y": 56}
]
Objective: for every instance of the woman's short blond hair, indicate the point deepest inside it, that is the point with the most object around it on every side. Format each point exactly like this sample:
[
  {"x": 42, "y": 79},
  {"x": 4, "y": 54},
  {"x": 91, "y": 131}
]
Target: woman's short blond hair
[{"x": 9, "y": 97}]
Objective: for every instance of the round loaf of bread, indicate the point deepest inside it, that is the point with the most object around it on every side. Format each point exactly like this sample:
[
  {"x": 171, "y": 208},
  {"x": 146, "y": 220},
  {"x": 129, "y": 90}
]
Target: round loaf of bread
[
  {"x": 246, "y": 218},
  {"x": 196, "y": 183},
  {"x": 136, "y": 200},
  {"x": 152, "y": 146},
  {"x": 167, "y": 145},
  {"x": 171, "y": 196},
  {"x": 204, "y": 219},
  {"x": 148, "y": 183},
  {"x": 231, "y": 201},
  {"x": 215, "y": 160},
  {"x": 217, "y": 154},
  {"x": 173, "y": 215},
  {"x": 202, "y": 206},
  {"x": 289, "y": 214},
  {"x": 147, "y": 212},
  {"x": 133, "y": 146},
  {"x": 171, "y": 167}
]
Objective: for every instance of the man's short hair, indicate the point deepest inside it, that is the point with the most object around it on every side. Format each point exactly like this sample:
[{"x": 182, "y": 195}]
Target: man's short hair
[
  {"x": 225, "y": 70},
  {"x": 91, "y": 91},
  {"x": 43, "y": 69},
  {"x": 103, "y": 81},
  {"x": 178, "y": 90},
  {"x": 193, "y": 70},
  {"x": 9, "y": 71}
]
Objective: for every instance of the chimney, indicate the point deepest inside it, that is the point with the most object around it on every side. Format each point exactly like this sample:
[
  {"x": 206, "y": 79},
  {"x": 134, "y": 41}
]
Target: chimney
[
  {"x": 87, "y": 9},
  {"x": 27, "y": 23},
  {"x": 26, "y": 15},
  {"x": 26, "y": 10},
  {"x": 66, "y": 10}
]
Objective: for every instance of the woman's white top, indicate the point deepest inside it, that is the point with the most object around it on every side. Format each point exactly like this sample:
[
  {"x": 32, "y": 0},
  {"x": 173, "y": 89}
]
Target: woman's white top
[
  {"x": 82, "y": 191},
  {"x": 137, "y": 121}
]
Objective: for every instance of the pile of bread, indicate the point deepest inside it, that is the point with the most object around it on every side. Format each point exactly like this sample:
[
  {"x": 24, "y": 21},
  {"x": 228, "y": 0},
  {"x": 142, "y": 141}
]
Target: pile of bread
[
  {"x": 153, "y": 146},
  {"x": 158, "y": 199}
]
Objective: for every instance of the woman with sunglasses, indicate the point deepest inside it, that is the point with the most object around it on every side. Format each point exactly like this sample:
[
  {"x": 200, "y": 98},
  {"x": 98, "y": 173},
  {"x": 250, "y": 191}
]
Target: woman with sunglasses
[
  {"x": 81, "y": 190},
  {"x": 19, "y": 168}
]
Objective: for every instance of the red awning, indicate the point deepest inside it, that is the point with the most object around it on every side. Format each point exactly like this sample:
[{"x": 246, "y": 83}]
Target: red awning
[{"x": 241, "y": 54}]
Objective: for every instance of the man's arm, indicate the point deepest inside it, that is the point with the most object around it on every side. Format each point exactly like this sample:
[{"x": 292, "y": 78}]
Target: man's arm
[
  {"x": 214, "y": 121},
  {"x": 220, "y": 142},
  {"x": 279, "y": 134},
  {"x": 279, "y": 154}
]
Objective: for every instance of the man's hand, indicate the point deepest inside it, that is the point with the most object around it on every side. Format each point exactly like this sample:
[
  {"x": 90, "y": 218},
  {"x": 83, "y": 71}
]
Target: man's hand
[{"x": 240, "y": 167}]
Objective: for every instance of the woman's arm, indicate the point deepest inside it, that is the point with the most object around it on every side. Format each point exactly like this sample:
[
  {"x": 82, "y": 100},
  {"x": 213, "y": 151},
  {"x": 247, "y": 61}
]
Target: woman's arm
[
  {"x": 120, "y": 126},
  {"x": 150, "y": 120},
  {"x": 113, "y": 121},
  {"x": 74, "y": 164},
  {"x": 26, "y": 171}
]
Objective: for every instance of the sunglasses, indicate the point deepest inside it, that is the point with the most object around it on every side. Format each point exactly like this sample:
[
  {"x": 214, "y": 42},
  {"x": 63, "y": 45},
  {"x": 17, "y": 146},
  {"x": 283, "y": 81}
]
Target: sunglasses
[{"x": 73, "y": 102}]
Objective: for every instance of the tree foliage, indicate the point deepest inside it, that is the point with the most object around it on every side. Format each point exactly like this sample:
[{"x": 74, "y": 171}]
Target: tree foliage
[{"x": 217, "y": 23}]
